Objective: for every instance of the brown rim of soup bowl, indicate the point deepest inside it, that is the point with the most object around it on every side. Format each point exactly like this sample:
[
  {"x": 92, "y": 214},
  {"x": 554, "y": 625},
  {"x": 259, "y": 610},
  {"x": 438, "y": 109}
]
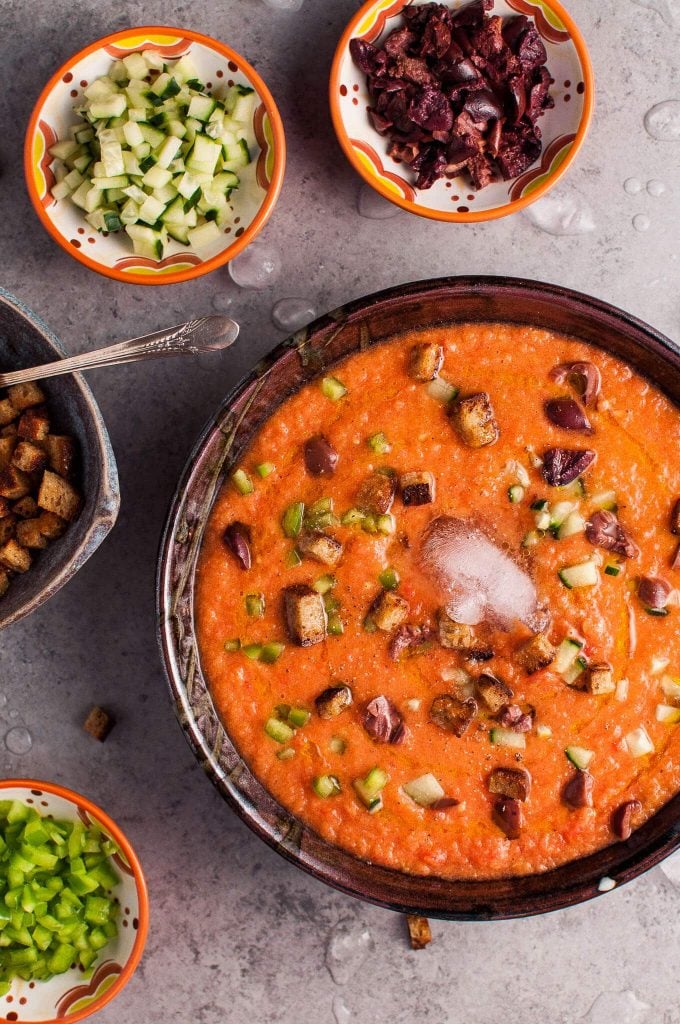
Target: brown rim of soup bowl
[{"x": 293, "y": 363}]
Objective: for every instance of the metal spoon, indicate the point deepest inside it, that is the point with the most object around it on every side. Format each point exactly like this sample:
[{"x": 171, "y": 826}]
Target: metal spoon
[{"x": 206, "y": 334}]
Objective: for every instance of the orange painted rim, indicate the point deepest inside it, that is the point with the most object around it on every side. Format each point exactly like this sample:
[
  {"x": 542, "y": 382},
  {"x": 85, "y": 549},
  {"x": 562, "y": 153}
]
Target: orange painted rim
[
  {"x": 268, "y": 204},
  {"x": 140, "y": 883},
  {"x": 513, "y": 206}
]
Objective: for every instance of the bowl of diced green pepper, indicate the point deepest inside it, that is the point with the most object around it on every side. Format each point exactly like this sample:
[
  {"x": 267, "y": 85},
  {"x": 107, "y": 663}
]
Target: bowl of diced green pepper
[{"x": 73, "y": 904}]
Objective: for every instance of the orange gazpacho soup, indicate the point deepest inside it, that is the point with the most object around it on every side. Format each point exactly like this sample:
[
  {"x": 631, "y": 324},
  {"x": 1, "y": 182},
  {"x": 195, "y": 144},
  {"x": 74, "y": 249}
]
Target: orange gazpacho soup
[{"x": 436, "y": 602}]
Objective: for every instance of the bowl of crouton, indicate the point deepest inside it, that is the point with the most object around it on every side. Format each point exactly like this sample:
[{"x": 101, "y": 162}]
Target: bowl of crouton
[{"x": 59, "y": 494}]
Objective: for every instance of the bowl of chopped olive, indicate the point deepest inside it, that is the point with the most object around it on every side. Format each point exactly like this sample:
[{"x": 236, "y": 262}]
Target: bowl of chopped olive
[
  {"x": 59, "y": 492},
  {"x": 74, "y": 914}
]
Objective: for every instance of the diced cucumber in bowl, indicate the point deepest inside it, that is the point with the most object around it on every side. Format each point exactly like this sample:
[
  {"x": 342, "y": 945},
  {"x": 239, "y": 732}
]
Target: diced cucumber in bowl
[{"x": 155, "y": 155}]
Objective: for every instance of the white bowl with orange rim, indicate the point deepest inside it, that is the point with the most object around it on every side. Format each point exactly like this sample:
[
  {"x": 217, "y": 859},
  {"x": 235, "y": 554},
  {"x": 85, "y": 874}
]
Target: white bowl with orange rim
[{"x": 112, "y": 254}]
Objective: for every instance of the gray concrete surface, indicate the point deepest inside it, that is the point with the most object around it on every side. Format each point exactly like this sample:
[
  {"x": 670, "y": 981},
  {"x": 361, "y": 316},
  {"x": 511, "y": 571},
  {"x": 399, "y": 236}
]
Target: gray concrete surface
[{"x": 238, "y": 935}]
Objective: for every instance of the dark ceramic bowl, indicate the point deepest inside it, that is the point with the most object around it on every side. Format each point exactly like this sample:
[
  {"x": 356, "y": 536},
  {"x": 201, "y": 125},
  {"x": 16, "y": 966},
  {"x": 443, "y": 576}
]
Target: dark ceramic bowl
[
  {"x": 26, "y": 341},
  {"x": 292, "y": 364}
]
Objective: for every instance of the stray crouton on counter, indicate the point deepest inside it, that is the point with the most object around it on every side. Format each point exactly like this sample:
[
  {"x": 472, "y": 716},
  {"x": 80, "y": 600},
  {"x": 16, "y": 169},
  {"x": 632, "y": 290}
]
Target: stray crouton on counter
[
  {"x": 99, "y": 723},
  {"x": 419, "y": 931},
  {"x": 37, "y": 497}
]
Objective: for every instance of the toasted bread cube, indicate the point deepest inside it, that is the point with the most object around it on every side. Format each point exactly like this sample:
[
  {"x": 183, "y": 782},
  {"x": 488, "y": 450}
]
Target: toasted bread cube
[
  {"x": 6, "y": 508},
  {"x": 22, "y": 396},
  {"x": 600, "y": 679},
  {"x": 99, "y": 723},
  {"x": 61, "y": 451},
  {"x": 57, "y": 495},
  {"x": 452, "y": 714},
  {"x": 52, "y": 526},
  {"x": 9, "y": 431},
  {"x": 417, "y": 488},
  {"x": 4, "y": 582},
  {"x": 34, "y": 425},
  {"x": 474, "y": 419},
  {"x": 7, "y": 446},
  {"x": 28, "y": 457},
  {"x": 14, "y": 483},
  {"x": 28, "y": 533},
  {"x": 7, "y": 528},
  {"x": 319, "y": 547},
  {"x": 425, "y": 361},
  {"x": 14, "y": 556},
  {"x": 26, "y": 508},
  {"x": 494, "y": 692},
  {"x": 514, "y": 783},
  {"x": 7, "y": 412},
  {"x": 376, "y": 494},
  {"x": 536, "y": 653},
  {"x": 456, "y": 636},
  {"x": 305, "y": 615},
  {"x": 389, "y": 610},
  {"x": 419, "y": 931}
]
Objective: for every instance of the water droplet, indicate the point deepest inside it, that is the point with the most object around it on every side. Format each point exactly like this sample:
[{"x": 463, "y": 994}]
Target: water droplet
[
  {"x": 18, "y": 740},
  {"x": 258, "y": 266},
  {"x": 641, "y": 222},
  {"x": 671, "y": 868},
  {"x": 663, "y": 121},
  {"x": 656, "y": 187},
  {"x": 341, "y": 1012},
  {"x": 622, "y": 1007},
  {"x": 348, "y": 946},
  {"x": 660, "y": 7},
  {"x": 3, "y": 700},
  {"x": 221, "y": 302},
  {"x": 284, "y": 5},
  {"x": 632, "y": 186},
  {"x": 374, "y": 206},
  {"x": 293, "y": 314},
  {"x": 14, "y": 713},
  {"x": 561, "y": 214}
]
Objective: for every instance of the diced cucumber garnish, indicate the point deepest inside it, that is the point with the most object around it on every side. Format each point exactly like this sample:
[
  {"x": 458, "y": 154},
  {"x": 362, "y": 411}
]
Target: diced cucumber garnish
[
  {"x": 638, "y": 742},
  {"x": 507, "y": 738},
  {"x": 567, "y": 652},
  {"x": 144, "y": 139},
  {"x": 580, "y": 757},
  {"x": 585, "y": 574},
  {"x": 424, "y": 790}
]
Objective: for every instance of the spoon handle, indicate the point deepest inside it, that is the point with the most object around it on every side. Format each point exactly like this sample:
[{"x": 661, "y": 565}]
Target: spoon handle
[{"x": 206, "y": 334}]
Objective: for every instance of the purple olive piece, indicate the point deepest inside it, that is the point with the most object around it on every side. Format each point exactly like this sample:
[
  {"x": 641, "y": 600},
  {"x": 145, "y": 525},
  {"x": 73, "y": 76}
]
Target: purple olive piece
[
  {"x": 407, "y": 638},
  {"x": 237, "y": 539},
  {"x": 321, "y": 458},
  {"x": 605, "y": 531},
  {"x": 463, "y": 71},
  {"x": 512, "y": 717},
  {"x": 578, "y": 792},
  {"x": 654, "y": 592},
  {"x": 519, "y": 95},
  {"x": 383, "y": 722},
  {"x": 584, "y": 378},
  {"x": 675, "y": 518},
  {"x": 508, "y": 816},
  {"x": 563, "y": 465},
  {"x": 621, "y": 818},
  {"x": 483, "y": 106},
  {"x": 568, "y": 414}
]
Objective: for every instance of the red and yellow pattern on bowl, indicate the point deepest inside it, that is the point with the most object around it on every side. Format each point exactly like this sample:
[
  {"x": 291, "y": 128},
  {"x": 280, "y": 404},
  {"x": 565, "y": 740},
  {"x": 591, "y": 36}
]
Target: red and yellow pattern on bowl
[
  {"x": 564, "y": 127},
  {"x": 112, "y": 255}
]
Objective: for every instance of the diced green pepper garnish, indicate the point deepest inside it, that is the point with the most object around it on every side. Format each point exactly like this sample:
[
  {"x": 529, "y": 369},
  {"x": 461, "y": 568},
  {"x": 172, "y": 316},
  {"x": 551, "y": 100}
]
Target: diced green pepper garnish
[
  {"x": 293, "y": 519},
  {"x": 326, "y": 785},
  {"x": 333, "y": 388},
  {"x": 242, "y": 482},
  {"x": 324, "y": 584},
  {"x": 389, "y": 579},
  {"x": 379, "y": 444},
  {"x": 232, "y": 645},
  {"x": 255, "y": 605},
  {"x": 265, "y": 469},
  {"x": 278, "y": 730},
  {"x": 271, "y": 652},
  {"x": 299, "y": 717},
  {"x": 252, "y": 651},
  {"x": 335, "y": 625}
]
